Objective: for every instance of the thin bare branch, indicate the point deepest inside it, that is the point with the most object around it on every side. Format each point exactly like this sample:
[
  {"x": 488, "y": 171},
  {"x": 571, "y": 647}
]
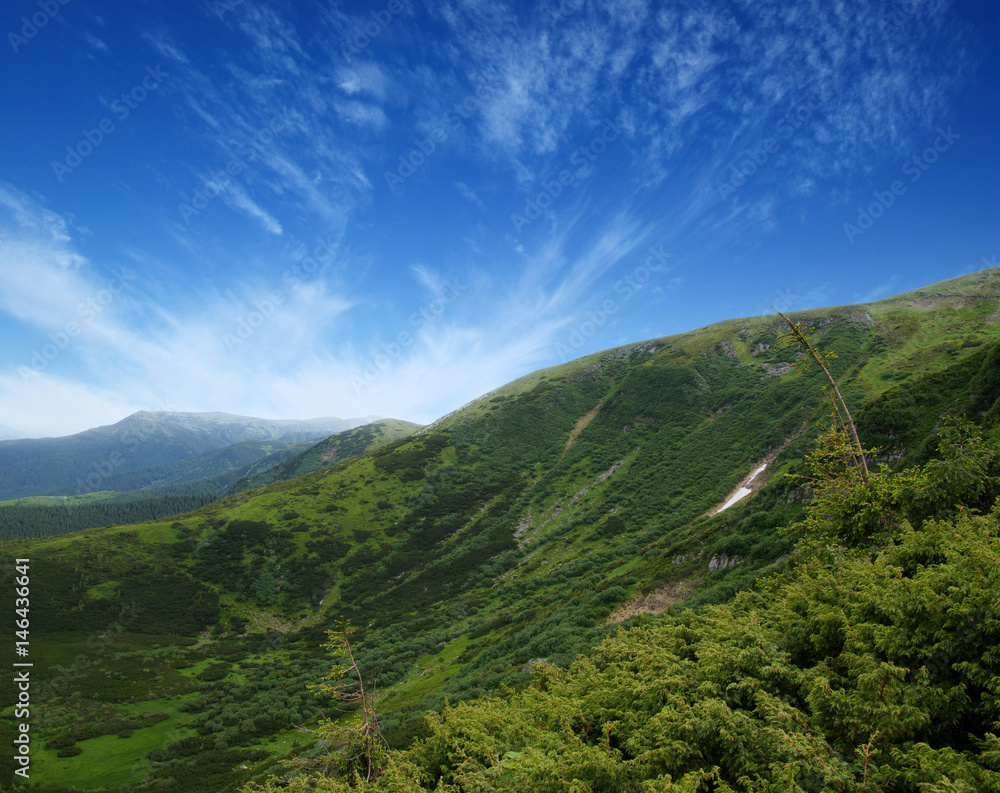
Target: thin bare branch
[{"x": 798, "y": 335}]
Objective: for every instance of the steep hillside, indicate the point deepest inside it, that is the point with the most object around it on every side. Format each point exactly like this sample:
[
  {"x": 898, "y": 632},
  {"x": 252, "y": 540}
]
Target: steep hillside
[
  {"x": 526, "y": 526},
  {"x": 329, "y": 451},
  {"x": 83, "y": 463}
]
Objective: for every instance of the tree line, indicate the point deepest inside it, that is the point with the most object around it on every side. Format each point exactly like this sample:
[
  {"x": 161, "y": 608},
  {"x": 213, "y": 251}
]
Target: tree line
[{"x": 27, "y": 521}]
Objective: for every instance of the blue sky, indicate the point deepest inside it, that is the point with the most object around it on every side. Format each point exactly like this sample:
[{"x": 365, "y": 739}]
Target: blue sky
[{"x": 314, "y": 208}]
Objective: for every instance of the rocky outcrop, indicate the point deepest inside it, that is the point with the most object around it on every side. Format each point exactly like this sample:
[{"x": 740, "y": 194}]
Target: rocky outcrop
[
  {"x": 723, "y": 562},
  {"x": 777, "y": 370}
]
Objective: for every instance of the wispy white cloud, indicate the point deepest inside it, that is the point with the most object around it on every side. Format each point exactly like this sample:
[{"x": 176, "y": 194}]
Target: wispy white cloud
[
  {"x": 43, "y": 280},
  {"x": 692, "y": 87},
  {"x": 312, "y": 161},
  {"x": 237, "y": 198},
  {"x": 271, "y": 349},
  {"x": 276, "y": 41},
  {"x": 363, "y": 78},
  {"x": 882, "y": 290},
  {"x": 37, "y": 407},
  {"x": 162, "y": 44},
  {"x": 362, "y": 114},
  {"x": 469, "y": 194},
  {"x": 703, "y": 73}
]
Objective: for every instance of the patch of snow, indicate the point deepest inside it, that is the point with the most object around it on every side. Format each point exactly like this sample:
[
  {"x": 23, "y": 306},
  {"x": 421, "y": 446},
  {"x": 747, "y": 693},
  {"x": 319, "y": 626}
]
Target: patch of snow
[{"x": 743, "y": 492}]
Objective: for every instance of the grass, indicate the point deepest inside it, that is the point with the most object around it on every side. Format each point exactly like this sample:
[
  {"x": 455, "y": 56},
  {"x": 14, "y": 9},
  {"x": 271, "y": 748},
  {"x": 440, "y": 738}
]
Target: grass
[
  {"x": 60, "y": 501},
  {"x": 109, "y": 761},
  {"x": 429, "y": 673},
  {"x": 627, "y": 567}
]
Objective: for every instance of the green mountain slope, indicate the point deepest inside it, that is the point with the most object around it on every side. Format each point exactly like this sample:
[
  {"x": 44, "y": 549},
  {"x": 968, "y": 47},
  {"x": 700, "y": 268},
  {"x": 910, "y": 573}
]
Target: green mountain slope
[
  {"x": 329, "y": 451},
  {"x": 861, "y": 674},
  {"x": 527, "y": 525},
  {"x": 83, "y": 463},
  {"x": 183, "y": 486}
]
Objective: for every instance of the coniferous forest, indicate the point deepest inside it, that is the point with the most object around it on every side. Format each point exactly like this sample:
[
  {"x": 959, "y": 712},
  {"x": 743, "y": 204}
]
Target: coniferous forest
[{"x": 17, "y": 521}]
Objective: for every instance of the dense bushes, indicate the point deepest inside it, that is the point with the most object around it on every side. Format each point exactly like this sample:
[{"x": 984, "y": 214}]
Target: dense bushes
[
  {"x": 876, "y": 673},
  {"x": 871, "y": 664},
  {"x": 902, "y": 417}
]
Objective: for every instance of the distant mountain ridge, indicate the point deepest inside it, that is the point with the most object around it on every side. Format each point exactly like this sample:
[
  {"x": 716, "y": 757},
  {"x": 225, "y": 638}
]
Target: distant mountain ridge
[{"x": 89, "y": 460}]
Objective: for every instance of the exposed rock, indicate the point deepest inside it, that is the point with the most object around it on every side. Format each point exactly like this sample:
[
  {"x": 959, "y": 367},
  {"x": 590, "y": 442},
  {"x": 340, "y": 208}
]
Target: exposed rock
[
  {"x": 777, "y": 369},
  {"x": 526, "y": 522},
  {"x": 655, "y": 602},
  {"x": 716, "y": 413},
  {"x": 723, "y": 562},
  {"x": 532, "y": 663}
]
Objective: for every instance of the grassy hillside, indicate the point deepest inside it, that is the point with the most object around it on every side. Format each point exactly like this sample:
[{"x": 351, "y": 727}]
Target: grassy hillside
[
  {"x": 327, "y": 452},
  {"x": 183, "y": 486},
  {"x": 528, "y": 525},
  {"x": 871, "y": 671}
]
